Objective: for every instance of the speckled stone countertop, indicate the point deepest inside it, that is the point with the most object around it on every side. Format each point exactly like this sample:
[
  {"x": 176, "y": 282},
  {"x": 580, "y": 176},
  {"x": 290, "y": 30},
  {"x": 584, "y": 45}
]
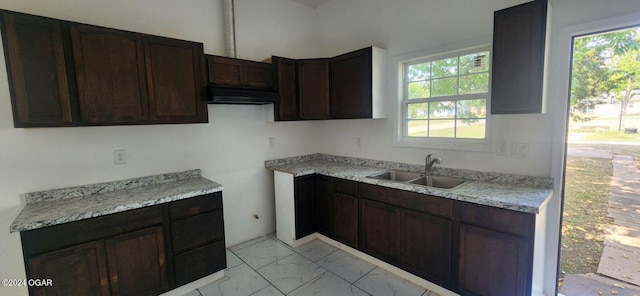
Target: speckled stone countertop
[
  {"x": 514, "y": 192},
  {"x": 52, "y": 207}
]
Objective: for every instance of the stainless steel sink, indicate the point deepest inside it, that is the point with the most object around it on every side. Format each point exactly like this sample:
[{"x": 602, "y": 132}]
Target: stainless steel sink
[
  {"x": 398, "y": 176},
  {"x": 419, "y": 179},
  {"x": 438, "y": 181}
]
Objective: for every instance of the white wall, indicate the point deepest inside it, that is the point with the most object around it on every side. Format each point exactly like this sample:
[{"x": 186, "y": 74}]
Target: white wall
[{"x": 230, "y": 149}]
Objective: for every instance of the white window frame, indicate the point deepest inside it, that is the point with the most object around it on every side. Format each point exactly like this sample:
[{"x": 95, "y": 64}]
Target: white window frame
[{"x": 465, "y": 144}]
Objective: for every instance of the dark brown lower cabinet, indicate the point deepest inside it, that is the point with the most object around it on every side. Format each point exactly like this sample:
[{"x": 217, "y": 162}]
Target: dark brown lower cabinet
[
  {"x": 304, "y": 192},
  {"x": 378, "y": 230},
  {"x": 468, "y": 248},
  {"x": 77, "y": 270},
  {"x": 136, "y": 263},
  {"x": 496, "y": 251},
  {"x": 145, "y": 251},
  {"x": 346, "y": 219},
  {"x": 346, "y": 211},
  {"x": 426, "y": 246},
  {"x": 492, "y": 263},
  {"x": 323, "y": 206}
]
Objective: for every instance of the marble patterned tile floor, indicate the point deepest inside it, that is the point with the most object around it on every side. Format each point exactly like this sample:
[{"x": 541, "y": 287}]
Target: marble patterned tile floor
[{"x": 265, "y": 266}]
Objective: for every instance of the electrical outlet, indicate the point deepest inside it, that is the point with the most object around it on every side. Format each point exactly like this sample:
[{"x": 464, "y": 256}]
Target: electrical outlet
[
  {"x": 520, "y": 150},
  {"x": 119, "y": 156},
  {"x": 358, "y": 142},
  {"x": 272, "y": 143},
  {"x": 501, "y": 149}
]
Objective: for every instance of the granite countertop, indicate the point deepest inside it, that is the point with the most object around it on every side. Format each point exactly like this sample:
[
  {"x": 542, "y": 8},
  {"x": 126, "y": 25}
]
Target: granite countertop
[
  {"x": 514, "y": 192},
  {"x": 52, "y": 207}
]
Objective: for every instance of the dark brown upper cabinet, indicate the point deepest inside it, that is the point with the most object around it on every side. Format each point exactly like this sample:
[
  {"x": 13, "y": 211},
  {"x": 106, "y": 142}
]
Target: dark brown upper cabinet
[
  {"x": 518, "y": 58},
  {"x": 175, "y": 77},
  {"x": 69, "y": 74},
  {"x": 237, "y": 73},
  {"x": 313, "y": 88},
  {"x": 287, "y": 86},
  {"x": 111, "y": 77},
  {"x": 347, "y": 86},
  {"x": 351, "y": 85},
  {"x": 36, "y": 69}
]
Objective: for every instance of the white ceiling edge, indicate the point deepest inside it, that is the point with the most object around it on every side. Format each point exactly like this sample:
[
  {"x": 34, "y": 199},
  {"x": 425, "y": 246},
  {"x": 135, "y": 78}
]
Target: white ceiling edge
[{"x": 312, "y": 3}]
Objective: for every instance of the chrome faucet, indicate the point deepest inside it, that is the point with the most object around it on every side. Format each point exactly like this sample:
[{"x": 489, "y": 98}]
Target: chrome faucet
[{"x": 428, "y": 164}]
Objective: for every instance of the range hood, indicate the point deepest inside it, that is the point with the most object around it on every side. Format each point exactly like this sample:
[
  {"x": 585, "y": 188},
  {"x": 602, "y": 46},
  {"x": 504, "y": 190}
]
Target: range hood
[{"x": 222, "y": 95}]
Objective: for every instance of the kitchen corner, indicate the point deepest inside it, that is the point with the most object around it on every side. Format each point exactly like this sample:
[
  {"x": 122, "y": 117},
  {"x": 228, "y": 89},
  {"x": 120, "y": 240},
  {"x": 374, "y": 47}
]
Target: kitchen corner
[{"x": 489, "y": 224}]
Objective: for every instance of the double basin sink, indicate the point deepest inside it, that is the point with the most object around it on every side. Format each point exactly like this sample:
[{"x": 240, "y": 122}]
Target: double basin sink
[{"x": 419, "y": 179}]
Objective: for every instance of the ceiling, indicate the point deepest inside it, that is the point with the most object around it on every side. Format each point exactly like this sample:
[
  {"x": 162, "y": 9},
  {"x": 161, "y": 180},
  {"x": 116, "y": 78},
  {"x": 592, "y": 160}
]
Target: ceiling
[{"x": 312, "y": 3}]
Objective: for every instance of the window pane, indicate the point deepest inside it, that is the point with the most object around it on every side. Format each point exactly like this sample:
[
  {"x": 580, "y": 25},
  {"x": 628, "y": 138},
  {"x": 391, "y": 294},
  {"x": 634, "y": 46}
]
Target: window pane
[
  {"x": 418, "y": 111},
  {"x": 475, "y": 83},
  {"x": 419, "y": 72},
  {"x": 445, "y": 68},
  {"x": 444, "y": 87},
  {"x": 472, "y": 109},
  {"x": 419, "y": 90},
  {"x": 471, "y": 129},
  {"x": 439, "y": 110},
  {"x": 474, "y": 63},
  {"x": 417, "y": 128},
  {"x": 442, "y": 128}
]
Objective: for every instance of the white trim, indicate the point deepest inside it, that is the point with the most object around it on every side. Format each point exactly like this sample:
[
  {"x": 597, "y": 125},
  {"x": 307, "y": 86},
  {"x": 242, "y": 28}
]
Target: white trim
[
  {"x": 459, "y": 48},
  {"x": 559, "y": 83}
]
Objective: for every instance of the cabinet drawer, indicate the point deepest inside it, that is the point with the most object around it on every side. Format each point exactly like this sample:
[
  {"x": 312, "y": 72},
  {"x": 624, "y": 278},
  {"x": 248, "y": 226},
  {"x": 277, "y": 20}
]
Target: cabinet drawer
[
  {"x": 518, "y": 223},
  {"x": 196, "y": 230},
  {"x": 59, "y": 236},
  {"x": 346, "y": 186},
  {"x": 195, "y": 205},
  {"x": 410, "y": 200},
  {"x": 203, "y": 261}
]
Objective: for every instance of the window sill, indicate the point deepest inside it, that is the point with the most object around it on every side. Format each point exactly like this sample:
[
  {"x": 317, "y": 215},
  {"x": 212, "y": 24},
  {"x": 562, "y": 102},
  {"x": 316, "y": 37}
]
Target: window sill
[{"x": 444, "y": 144}]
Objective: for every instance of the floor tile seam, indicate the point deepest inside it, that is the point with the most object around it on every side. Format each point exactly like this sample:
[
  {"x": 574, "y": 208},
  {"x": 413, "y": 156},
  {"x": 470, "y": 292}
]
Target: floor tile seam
[
  {"x": 316, "y": 261},
  {"x": 353, "y": 283},
  {"x": 255, "y": 243},
  {"x": 270, "y": 285},
  {"x": 294, "y": 253},
  {"x": 313, "y": 279},
  {"x": 367, "y": 273}
]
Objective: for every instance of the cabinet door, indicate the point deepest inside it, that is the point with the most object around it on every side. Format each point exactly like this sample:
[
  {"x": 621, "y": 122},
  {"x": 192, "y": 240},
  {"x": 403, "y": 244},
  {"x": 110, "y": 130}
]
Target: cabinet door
[
  {"x": 285, "y": 71},
  {"x": 323, "y": 205},
  {"x": 197, "y": 263},
  {"x": 175, "y": 72},
  {"x": 346, "y": 219},
  {"x": 426, "y": 246},
  {"x": 258, "y": 75},
  {"x": 36, "y": 67},
  {"x": 492, "y": 263},
  {"x": 518, "y": 58},
  {"x": 225, "y": 71},
  {"x": 378, "y": 230},
  {"x": 313, "y": 88},
  {"x": 303, "y": 204},
  {"x": 351, "y": 85},
  {"x": 78, "y": 270},
  {"x": 110, "y": 73},
  {"x": 137, "y": 263}
]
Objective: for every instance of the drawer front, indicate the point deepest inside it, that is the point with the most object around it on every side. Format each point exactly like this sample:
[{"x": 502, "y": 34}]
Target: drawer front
[
  {"x": 193, "y": 231},
  {"x": 345, "y": 186},
  {"x": 200, "y": 262},
  {"x": 518, "y": 223},
  {"x": 414, "y": 201},
  {"x": 195, "y": 205},
  {"x": 60, "y": 236}
]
